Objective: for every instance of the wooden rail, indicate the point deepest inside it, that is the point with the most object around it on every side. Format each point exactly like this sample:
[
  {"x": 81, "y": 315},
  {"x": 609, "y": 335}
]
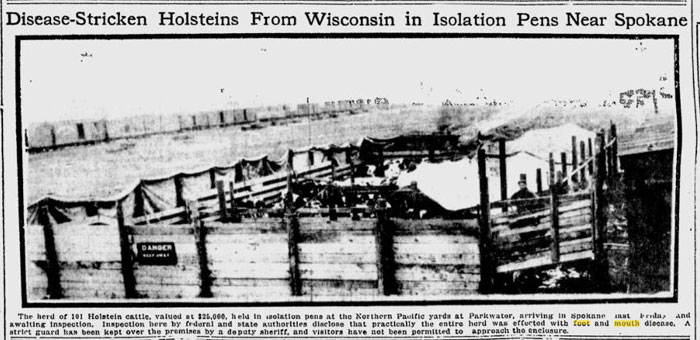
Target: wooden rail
[
  {"x": 534, "y": 243},
  {"x": 251, "y": 260},
  {"x": 297, "y": 254},
  {"x": 565, "y": 227},
  {"x": 265, "y": 189}
]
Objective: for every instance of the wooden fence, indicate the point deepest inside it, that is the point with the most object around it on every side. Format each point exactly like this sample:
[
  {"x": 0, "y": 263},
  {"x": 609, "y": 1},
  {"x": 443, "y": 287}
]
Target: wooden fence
[
  {"x": 567, "y": 224},
  {"x": 219, "y": 253},
  {"x": 267, "y": 189},
  {"x": 269, "y": 259},
  {"x": 532, "y": 240}
]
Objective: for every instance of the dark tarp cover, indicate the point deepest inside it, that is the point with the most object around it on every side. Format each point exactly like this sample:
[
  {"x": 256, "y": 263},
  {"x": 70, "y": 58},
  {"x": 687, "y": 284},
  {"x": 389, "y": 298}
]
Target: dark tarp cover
[{"x": 153, "y": 195}]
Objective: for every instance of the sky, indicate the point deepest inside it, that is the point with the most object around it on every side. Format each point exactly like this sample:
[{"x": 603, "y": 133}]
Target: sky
[{"x": 95, "y": 79}]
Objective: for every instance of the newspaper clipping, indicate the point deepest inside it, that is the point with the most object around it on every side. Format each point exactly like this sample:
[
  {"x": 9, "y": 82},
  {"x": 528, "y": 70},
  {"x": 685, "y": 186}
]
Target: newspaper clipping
[{"x": 398, "y": 169}]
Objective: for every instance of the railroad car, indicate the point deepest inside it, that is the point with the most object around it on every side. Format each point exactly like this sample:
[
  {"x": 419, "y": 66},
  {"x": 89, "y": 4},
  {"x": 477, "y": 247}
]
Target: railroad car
[
  {"x": 47, "y": 136},
  {"x": 169, "y": 123},
  {"x": 40, "y": 135},
  {"x": 264, "y": 114},
  {"x": 70, "y": 133}
]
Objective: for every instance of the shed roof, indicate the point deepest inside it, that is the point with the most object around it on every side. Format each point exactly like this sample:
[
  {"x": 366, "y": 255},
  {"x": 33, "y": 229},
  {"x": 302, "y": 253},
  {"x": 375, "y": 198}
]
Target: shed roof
[
  {"x": 655, "y": 134},
  {"x": 541, "y": 142}
]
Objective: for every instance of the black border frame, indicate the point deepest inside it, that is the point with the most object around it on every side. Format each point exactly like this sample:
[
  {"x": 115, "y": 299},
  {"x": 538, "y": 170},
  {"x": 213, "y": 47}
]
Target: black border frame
[{"x": 153, "y": 304}]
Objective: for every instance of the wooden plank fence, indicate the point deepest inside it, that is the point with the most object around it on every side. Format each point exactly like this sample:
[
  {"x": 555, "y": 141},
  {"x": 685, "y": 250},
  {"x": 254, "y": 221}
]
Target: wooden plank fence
[
  {"x": 300, "y": 255},
  {"x": 567, "y": 224},
  {"x": 252, "y": 261},
  {"x": 88, "y": 262},
  {"x": 539, "y": 242}
]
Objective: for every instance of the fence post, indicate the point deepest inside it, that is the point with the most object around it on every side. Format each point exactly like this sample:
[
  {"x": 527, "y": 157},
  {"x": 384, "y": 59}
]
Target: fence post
[
  {"x": 310, "y": 154},
  {"x": 200, "y": 234},
  {"x": 179, "y": 197},
  {"x": 600, "y": 272},
  {"x": 384, "y": 240},
  {"x": 332, "y": 213},
  {"x": 601, "y": 168},
  {"x": 613, "y": 153},
  {"x": 139, "y": 209},
  {"x": 414, "y": 201},
  {"x": 212, "y": 177},
  {"x": 502, "y": 172},
  {"x": 289, "y": 199},
  {"x": 552, "y": 171},
  {"x": 574, "y": 163},
  {"x": 238, "y": 172},
  {"x": 333, "y": 166},
  {"x": 291, "y": 224},
  {"x": 608, "y": 165},
  {"x": 590, "y": 152},
  {"x": 53, "y": 270},
  {"x": 554, "y": 187},
  {"x": 538, "y": 180},
  {"x": 486, "y": 265},
  {"x": 348, "y": 159},
  {"x": 583, "y": 160},
  {"x": 221, "y": 194},
  {"x": 235, "y": 218},
  {"x": 379, "y": 171},
  {"x": 126, "y": 255},
  {"x": 564, "y": 170}
]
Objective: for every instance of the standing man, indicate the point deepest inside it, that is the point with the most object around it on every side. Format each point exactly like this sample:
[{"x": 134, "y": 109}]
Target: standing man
[{"x": 524, "y": 194}]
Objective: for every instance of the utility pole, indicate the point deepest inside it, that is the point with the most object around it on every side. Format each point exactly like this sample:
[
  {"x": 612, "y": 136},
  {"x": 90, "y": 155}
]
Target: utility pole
[{"x": 308, "y": 115}]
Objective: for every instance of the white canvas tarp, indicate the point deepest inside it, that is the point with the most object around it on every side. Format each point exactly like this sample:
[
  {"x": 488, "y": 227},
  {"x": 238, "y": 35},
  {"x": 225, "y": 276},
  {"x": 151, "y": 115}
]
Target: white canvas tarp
[{"x": 455, "y": 185}]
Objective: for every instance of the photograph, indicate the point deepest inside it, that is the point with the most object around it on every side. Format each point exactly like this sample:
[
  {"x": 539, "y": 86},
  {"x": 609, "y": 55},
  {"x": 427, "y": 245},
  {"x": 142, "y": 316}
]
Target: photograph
[{"x": 347, "y": 168}]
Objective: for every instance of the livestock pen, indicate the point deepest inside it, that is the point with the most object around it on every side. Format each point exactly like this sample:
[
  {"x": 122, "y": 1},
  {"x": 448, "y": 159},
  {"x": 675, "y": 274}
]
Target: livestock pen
[{"x": 189, "y": 237}]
